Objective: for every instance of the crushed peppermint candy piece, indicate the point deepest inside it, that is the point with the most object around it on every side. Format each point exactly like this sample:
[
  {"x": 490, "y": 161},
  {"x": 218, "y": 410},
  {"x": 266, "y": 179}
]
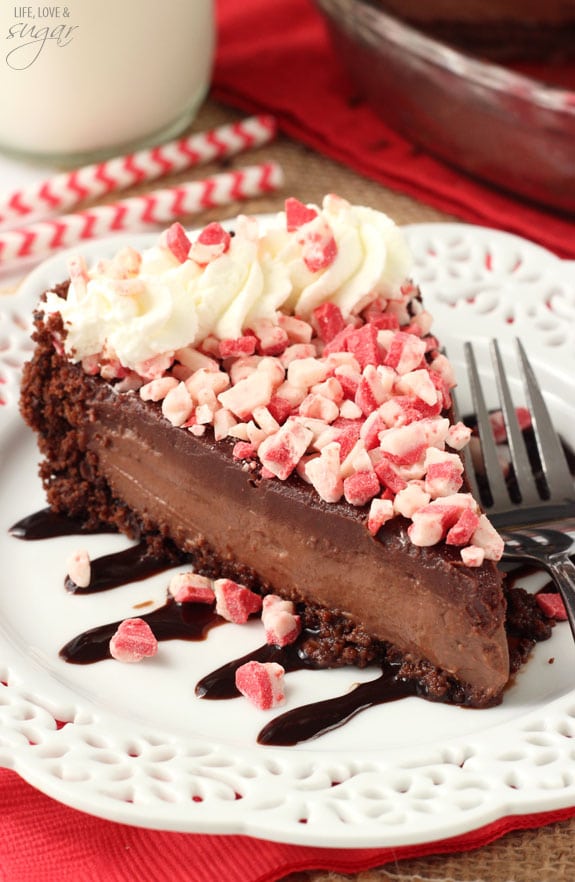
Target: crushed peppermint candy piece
[
  {"x": 411, "y": 498},
  {"x": 323, "y": 472},
  {"x": 551, "y": 605},
  {"x": 360, "y": 487},
  {"x": 405, "y": 352},
  {"x": 458, "y": 436},
  {"x": 78, "y": 568},
  {"x": 280, "y": 453},
  {"x": 319, "y": 248},
  {"x": 271, "y": 338},
  {"x": 254, "y": 390},
  {"x": 191, "y": 588},
  {"x": 463, "y": 529},
  {"x": 380, "y": 512},
  {"x": 262, "y": 683},
  {"x": 472, "y": 555},
  {"x": 235, "y": 602},
  {"x": 175, "y": 239},
  {"x": 443, "y": 478},
  {"x": 244, "y": 345},
  {"x": 297, "y": 214},
  {"x": 177, "y": 405},
  {"x": 487, "y": 537},
  {"x": 431, "y": 522},
  {"x": 328, "y": 320},
  {"x": 282, "y": 625},
  {"x": 211, "y": 243},
  {"x": 133, "y": 641},
  {"x": 156, "y": 390}
]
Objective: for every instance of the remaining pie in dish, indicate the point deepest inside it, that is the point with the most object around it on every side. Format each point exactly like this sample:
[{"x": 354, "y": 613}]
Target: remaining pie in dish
[
  {"x": 514, "y": 30},
  {"x": 272, "y": 405}
]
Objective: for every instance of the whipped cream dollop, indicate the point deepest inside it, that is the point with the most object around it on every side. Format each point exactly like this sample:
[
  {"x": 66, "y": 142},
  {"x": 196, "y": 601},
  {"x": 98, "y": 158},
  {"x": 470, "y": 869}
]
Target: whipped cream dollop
[
  {"x": 371, "y": 259},
  {"x": 140, "y": 306}
]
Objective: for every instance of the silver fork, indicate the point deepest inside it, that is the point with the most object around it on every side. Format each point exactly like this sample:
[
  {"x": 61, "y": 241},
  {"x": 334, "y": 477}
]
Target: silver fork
[{"x": 535, "y": 522}]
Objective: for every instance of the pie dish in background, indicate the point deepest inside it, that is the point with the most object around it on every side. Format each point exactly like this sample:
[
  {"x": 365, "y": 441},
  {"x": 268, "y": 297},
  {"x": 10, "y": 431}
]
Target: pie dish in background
[{"x": 511, "y": 130}]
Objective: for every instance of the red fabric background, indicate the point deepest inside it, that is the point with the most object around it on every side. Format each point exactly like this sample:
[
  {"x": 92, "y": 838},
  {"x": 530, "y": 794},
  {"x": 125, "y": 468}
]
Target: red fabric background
[
  {"x": 42, "y": 840},
  {"x": 276, "y": 57}
]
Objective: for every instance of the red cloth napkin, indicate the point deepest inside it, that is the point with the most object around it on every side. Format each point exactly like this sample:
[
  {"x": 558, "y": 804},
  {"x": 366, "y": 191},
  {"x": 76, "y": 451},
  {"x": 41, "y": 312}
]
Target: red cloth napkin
[
  {"x": 40, "y": 839},
  {"x": 276, "y": 57}
]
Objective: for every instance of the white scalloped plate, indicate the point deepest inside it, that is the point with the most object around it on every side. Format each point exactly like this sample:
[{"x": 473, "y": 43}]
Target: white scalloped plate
[{"x": 139, "y": 748}]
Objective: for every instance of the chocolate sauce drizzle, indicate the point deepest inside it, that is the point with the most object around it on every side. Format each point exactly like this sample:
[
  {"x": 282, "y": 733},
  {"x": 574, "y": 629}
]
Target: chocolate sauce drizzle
[
  {"x": 310, "y": 720},
  {"x": 193, "y": 621},
  {"x": 110, "y": 571},
  {"x": 173, "y": 621},
  {"x": 48, "y": 524},
  {"x": 113, "y": 570}
]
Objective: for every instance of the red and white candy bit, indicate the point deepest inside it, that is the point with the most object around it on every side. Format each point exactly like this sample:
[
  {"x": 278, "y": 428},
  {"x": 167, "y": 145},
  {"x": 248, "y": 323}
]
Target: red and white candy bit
[
  {"x": 380, "y": 512},
  {"x": 319, "y": 248},
  {"x": 137, "y": 212},
  {"x": 297, "y": 214},
  {"x": 78, "y": 568},
  {"x": 410, "y": 498},
  {"x": 212, "y": 242},
  {"x": 282, "y": 625},
  {"x": 552, "y": 606},
  {"x": 431, "y": 522},
  {"x": 133, "y": 641},
  {"x": 191, "y": 588},
  {"x": 444, "y": 474},
  {"x": 254, "y": 390},
  {"x": 175, "y": 239},
  {"x": 463, "y": 529},
  {"x": 177, "y": 405},
  {"x": 458, "y": 436},
  {"x": 63, "y": 191},
  {"x": 235, "y": 602},
  {"x": 324, "y": 472},
  {"x": 472, "y": 555},
  {"x": 156, "y": 390},
  {"x": 262, "y": 683},
  {"x": 487, "y": 537},
  {"x": 360, "y": 487},
  {"x": 280, "y": 453},
  {"x": 498, "y": 427}
]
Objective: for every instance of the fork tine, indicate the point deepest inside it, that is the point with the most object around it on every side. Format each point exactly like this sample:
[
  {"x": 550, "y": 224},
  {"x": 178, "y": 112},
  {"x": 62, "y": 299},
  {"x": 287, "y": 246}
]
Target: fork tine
[
  {"x": 466, "y": 452},
  {"x": 493, "y": 471},
  {"x": 551, "y": 454},
  {"x": 517, "y": 449}
]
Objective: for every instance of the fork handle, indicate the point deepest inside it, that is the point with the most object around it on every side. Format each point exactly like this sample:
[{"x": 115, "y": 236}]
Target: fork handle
[{"x": 562, "y": 569}]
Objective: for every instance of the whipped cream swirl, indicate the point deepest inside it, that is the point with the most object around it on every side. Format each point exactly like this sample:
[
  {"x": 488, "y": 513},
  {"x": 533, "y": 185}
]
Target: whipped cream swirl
[{"x": 138, "y": 307}]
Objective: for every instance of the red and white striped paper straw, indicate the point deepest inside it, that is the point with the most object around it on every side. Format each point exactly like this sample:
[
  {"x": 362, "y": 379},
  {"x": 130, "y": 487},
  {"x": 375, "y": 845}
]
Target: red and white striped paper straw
[
  {"x": 137, "y": 212},
  {"x": 64, "y": 191}
]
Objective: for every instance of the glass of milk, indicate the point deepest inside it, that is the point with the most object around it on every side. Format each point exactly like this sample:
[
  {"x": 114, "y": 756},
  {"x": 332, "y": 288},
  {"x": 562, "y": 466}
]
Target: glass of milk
[{"x": 92, "y": 78}]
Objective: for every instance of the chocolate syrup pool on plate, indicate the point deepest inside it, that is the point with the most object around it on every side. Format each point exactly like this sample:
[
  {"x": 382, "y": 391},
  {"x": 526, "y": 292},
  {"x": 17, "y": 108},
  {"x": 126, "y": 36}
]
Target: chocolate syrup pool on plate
[{"x": 193, "y": 621}]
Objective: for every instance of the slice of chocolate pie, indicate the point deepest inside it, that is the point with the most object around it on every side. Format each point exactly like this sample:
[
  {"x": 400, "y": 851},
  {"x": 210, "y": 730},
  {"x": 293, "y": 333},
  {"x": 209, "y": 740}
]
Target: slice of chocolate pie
[{"x": 272, "y": 405}]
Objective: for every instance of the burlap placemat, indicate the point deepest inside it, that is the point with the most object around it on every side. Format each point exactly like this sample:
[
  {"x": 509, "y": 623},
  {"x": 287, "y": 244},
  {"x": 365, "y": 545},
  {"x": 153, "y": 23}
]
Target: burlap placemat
[{"x": 543, "y": 855}]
